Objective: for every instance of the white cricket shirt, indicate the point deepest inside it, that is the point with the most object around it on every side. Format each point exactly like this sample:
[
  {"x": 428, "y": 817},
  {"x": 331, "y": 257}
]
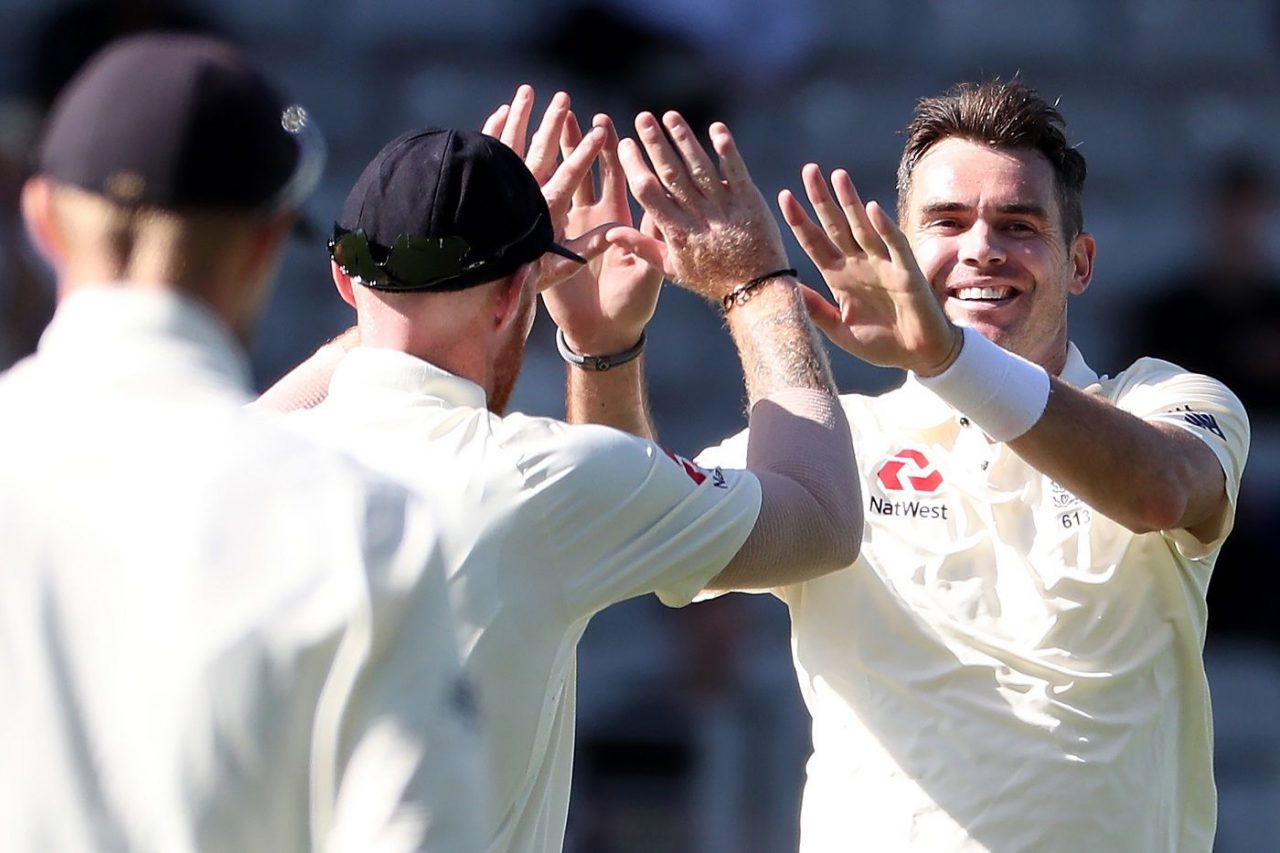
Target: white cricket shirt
[
  {"x": 213, "y": 637},
  {"x": 545, "y": 524},
  {"x": 1004, "y": 668}
]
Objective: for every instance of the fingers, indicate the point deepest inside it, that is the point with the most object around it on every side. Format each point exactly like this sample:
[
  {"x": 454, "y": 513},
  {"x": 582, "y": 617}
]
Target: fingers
[
  {"x": 591, "y": 244},
  {"x": 815, "y": 242},
  {"x": 668, "y": 166},
  {"x": 496, "y": 121},
  {"x": 613, "y": 183},
  {"x": 830, "y": 215},
  {"x": 855, "y": 214},
  {"x": 650, "y": 228},
  {"x": 545, "y": 145},
  {"x": 570, "y": 138},
  {"x": 559, "y": 190},
  {"x": 702, "y": 172},
  {"x": 556, "y": 269},
  {"x": 896, "y": 242},
  {"x": 824, "y": 315},
  {"x": 645, "y": 247},
  {"x": 646, "y": 188},
  {"x": 732, "y": 166},
  {"x": 845, "y": 232},
  {"x": 516, "y": 127}
]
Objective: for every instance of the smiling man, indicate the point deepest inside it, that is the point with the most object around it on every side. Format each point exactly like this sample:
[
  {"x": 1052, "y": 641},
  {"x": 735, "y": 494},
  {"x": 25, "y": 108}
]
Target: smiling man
[{"x": 1014, "y": 660}]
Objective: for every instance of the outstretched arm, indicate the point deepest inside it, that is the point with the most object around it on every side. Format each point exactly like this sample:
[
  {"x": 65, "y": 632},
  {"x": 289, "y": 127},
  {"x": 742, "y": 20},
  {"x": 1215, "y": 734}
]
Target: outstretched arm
[
  {"x": 307, "y": 385},
  {"x": 719, "y": 240},
  {"x": 1146, "y": 474},
  {"x": 600, "y": 310}
]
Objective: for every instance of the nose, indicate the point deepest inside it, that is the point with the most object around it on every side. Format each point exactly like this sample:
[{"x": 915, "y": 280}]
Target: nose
[{"x": 980, "y": 246}]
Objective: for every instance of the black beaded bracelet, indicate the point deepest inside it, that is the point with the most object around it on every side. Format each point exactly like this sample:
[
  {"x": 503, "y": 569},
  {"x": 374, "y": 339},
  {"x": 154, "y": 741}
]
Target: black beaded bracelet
[
  {"x": 597, "y": 362},
  {"x": 742, "y": 292}
]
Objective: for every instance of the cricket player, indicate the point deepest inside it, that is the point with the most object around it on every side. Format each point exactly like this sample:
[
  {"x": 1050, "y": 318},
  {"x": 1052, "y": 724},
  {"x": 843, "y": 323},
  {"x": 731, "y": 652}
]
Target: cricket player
[
  {"x": 213, "y": 636},
  {"x": 1014, "y": 660},
  {"x": 440, "y": 247}
]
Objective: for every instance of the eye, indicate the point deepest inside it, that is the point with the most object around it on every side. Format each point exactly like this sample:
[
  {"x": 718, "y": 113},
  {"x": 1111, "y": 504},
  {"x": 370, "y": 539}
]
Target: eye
[{"x": 1021, "y": 227}]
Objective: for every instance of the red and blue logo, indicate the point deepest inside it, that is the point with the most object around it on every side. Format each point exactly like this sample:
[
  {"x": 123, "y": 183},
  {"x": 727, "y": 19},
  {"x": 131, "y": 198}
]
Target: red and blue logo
[{"x": 695, "y": 473}]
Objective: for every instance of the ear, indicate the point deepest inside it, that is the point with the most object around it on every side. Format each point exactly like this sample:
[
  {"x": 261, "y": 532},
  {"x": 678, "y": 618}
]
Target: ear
[
  {"x": 342, "y": 281},
  {"x": 509, "y": 302},
  {"x": 1082, "y": 252},
  {"x": 37, "y": 214}
]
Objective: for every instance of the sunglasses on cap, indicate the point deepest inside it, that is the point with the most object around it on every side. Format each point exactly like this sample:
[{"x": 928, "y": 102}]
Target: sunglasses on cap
[
  {"x": 412, "y": 262},
  {"x": 415, "y": 263}
]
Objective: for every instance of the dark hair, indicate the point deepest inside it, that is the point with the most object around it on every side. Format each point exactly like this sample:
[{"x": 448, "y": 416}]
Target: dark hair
[{"x": 1008, "y": 115}]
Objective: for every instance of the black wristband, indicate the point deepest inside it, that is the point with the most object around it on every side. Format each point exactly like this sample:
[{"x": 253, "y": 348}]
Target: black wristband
[
  {"x": 597, "y": 362},
  {"x": 742, "y": 292}
]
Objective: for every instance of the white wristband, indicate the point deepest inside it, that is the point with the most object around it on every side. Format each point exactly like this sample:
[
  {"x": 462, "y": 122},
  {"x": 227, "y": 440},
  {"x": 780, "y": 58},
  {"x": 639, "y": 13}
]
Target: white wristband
[{"x": 1002, "y": 393}]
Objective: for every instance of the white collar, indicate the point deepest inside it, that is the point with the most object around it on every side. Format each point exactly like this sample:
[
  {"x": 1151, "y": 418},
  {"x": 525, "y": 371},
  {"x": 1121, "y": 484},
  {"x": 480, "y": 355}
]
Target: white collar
[
  {"x": 1076, "y": 372},
  {"x": 98, "y": 322},
  {"x": 386, "y": 369}
]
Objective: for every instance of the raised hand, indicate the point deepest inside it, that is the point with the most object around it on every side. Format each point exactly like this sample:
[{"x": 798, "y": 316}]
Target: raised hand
[
  {"x": 604, "y": 307},
  {"x": 717, "y": 232},
  {"x": 886, "y": 313},
  {"x": 558, "y": 177}
]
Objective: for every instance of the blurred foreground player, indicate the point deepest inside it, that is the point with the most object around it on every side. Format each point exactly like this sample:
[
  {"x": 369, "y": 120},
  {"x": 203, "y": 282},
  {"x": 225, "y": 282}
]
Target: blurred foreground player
[
  {"x": 1014, "y": 661},
  {"x": 212, "y": 636}
]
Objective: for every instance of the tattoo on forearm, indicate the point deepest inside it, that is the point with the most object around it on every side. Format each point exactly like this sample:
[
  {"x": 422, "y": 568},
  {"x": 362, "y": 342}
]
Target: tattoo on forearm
[{"x": 779, "y": 346}]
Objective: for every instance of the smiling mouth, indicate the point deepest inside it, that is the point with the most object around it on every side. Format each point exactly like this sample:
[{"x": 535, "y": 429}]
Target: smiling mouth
[{"x": 991, "y": 294}]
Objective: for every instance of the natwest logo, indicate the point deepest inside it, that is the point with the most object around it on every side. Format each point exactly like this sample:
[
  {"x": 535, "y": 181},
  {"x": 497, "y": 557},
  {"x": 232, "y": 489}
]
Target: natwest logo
[{"x": 909, "y": 469}]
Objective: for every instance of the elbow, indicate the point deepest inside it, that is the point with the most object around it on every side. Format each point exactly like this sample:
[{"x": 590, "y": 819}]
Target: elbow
[
  {"x": 1159, "y": 512},
  {"x": 1163, "y": 505},
  {"x": 849, "y": 540},
  {"x": 843, "y": 530}
]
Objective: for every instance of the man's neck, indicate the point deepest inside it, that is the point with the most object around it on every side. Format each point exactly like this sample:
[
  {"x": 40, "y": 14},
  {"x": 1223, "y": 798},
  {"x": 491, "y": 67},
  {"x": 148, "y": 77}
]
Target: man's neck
[{"x": 455, "y": 353}]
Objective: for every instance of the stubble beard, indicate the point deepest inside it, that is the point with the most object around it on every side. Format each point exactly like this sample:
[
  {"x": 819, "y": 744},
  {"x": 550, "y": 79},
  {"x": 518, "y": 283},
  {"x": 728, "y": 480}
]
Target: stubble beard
[{"x": 507, "y": 371}]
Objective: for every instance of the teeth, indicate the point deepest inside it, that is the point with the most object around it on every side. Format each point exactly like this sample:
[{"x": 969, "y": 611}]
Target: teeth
[{"x": 983, "y": 292}]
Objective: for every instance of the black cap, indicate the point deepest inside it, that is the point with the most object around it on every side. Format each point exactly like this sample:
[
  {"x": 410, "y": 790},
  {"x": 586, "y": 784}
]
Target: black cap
[
  {"x": 460, "y": 186},
  {"x": 180, "y": 122}
]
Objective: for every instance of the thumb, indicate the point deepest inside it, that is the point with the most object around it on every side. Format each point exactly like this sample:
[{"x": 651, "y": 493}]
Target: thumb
[
  {"x": 591, "y": 244},
  {"x": 824, "y": 315},
  {"x": 649, "y": 227},
  {"x": 649, "y": 249},
  {"x": 556, "y": 269}
]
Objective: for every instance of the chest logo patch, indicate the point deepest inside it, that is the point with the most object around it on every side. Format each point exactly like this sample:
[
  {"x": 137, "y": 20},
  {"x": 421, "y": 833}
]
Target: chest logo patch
[{"x": 909, "y": 470}]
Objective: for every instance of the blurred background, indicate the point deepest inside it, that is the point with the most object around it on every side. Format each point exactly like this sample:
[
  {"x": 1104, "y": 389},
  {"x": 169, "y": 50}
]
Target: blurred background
[{"x": 692, "y": 735}]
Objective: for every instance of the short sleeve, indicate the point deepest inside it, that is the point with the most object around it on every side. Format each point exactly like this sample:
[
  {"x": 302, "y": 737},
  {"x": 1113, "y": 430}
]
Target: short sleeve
[
  {"x": 730, "y": 453},
  {"x": 1160, "y": 392},
  {"x": 628, "y": 518}
]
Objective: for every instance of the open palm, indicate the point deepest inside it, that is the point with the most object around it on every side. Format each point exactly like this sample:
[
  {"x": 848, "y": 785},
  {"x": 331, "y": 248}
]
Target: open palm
[
  {"x": 604, "y": 306},
  {"x": 886, "y": 313}
]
